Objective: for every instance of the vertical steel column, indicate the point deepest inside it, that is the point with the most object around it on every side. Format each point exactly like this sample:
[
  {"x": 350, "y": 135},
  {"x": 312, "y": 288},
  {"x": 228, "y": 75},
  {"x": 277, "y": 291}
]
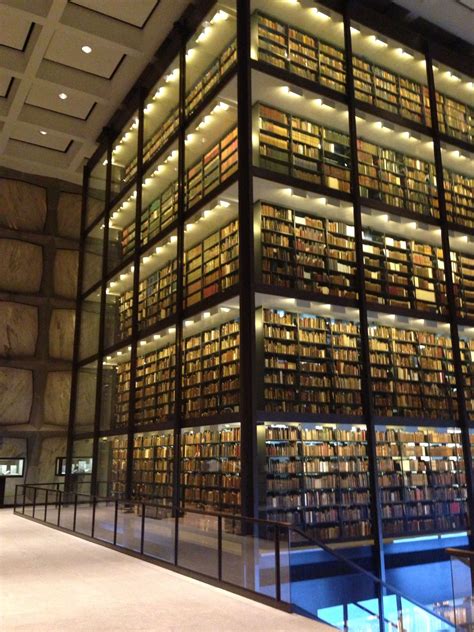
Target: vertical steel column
[
  {"x": 136, "y": 283},
  {"x": 248, "y": 378},
  {"x": 103, "y": 306},
  {"x": 463, "y": 416},
  {"x": 179, "y": 286},
  {"x": 367, "y": 399},
  {"x": 72, "y": 404}
]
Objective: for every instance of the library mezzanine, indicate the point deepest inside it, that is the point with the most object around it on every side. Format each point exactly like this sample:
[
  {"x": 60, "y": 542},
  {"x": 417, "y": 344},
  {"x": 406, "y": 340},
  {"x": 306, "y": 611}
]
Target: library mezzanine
[{"x": 276, "y": 301}]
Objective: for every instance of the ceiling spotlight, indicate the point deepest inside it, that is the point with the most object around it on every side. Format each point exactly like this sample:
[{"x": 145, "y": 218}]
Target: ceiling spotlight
[
  {"x": 62, "y": 95},
  {"x": 43, "y": 132},
  {"x": 86, "y": 50}
]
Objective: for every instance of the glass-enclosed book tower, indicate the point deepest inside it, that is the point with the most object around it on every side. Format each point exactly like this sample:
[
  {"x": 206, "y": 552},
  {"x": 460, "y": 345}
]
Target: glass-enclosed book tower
[{"x": 276, "y": 309}]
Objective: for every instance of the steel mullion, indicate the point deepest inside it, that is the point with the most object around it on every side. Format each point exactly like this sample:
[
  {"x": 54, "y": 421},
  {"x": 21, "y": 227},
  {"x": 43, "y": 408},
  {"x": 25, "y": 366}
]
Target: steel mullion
[{"x": 367, "y": 389}]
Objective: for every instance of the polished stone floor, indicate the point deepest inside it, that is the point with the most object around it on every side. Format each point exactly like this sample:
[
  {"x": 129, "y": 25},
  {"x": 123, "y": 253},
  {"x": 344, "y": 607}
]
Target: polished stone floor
[{"x": 53, "y": 582}]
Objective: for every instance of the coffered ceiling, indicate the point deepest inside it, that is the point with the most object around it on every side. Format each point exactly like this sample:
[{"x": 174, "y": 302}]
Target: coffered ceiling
[{"x": 55, "y": 95}]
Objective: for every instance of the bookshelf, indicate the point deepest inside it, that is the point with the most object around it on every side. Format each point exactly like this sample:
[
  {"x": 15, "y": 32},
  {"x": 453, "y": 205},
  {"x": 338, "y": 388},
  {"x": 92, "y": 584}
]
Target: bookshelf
[
  {"x": 422, "y": 480},
  {"x": 463, "y": 280},
  {"x": 311, "y": 364},
  {"x": 455, "y": 118},
  {"x": 216, "y": 166},
  {"x": 118, "y": 465},
  {"x": 210, "y": 468},
  {"x": 211, "y": 371},
  {"x": 459, "y": 190},
  {"x": 397, "y": 179},
  {"x": 157, "y": 295},
  {"x": 298, "y": 52},
  {"x": 212, "y": 76},
  {"x": 404, "y": 273},
  {"x": 122, "y": 395},
  {"x": 155, "y": 385},
  {"x": 467, "y": 359},
  {"x": 159, "y": 214},
  {"x": 212, "y": 265},
  {"x": 306, "y": 252},
  {"x": 153, "y": 455},
  {"x": 292, "y": 145},
  {"x": 412, "y": 374},
  {"x": 317, "y": 478}
]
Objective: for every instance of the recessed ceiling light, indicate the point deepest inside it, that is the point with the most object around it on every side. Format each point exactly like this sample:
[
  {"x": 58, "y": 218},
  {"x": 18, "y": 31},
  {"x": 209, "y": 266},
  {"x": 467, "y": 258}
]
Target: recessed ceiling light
[
  {"x": 62, "y": 95},
  {"x": 43, "y": 132},
  {"x": 86, "y": 49}
]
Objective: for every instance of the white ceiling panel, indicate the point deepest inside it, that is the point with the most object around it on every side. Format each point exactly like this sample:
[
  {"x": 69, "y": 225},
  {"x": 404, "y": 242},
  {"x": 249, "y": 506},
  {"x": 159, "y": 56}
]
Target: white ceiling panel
[
  {"x": 46, "y": 96},
  {"x": 14, "y": 30},
  {"x": 34, "y": 136},
  {"x": 135, "y": 12},
  {"x": 65, "y": 48}
]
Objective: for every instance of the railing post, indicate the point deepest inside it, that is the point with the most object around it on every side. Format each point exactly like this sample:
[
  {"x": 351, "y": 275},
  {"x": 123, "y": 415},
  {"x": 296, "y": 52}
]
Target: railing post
[
  {"x": 59, "y": 507},
  {"x": 75, "y": 512},
  {"x": 34, "y": 502},
  {"x": 176, "y": 534},
  {"x": 24, "y": 497},
  {"x": 46, "y": 505},
  {"x": 142, "y": 538},
  {"x": 115, "y": 521},
  {"x": 94, "y": 506},
  {"x": 219, "y": 547},
  {"x": 277, "y": 564},
  {"x": 15, "y": 498}
]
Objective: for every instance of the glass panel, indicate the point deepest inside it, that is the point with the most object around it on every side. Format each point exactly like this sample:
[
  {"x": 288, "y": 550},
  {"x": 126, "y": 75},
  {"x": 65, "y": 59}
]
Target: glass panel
[
  {"x": 96, "y": 190},
  {"x": 424, "y": 495},
  {"x": 161, "y": 113},
  {"x": 119, "y": 307},
  {"x": 89, "y": 326},
  {"x": 81, "y": 475},
  {"x": 422, "y": 390},
  {"x": 153, "y": 455},
  {"x": 211, "y": 363},
  {"x": 104, "y": 521},
  {"x": 129, "y": 525},
  {"x": 114, "y": 412},
  {"x": 156, "y": 378},
  {"x": 85, "y": 399},
  {"x": 159, "y": 533},
  {"x": 403, "y": 263},
  {"x": 197, "y": 544},
  {"x": 466, "y": 344},
  {"x": 455, "y": 102},
  {"x": 311, "y": 360},
  {"x": 390, "y": 76},
  {"x": 210, "y": 468},
  {"x": 317, "y": 477},
  {"x": 160, "y": 196},
  {"x": 304, "y": 242},
  {"x": 112, "y": 466},
  {"x": 462, "y": 572},
  {"x": 458, "y": 177},
  {"x": 211, "y": 147},
  {"x": 124, "y": 155},
  {"x": 211, "y": 244},
  {"x": 122, "y": 230},
  {"x": 462, "y": 262},
  {"x": 211, "y": 53},
  {"x": 93, "y": 257},
  {"x": 306, "y": 41},
  {"x": 158, "y": 281}
]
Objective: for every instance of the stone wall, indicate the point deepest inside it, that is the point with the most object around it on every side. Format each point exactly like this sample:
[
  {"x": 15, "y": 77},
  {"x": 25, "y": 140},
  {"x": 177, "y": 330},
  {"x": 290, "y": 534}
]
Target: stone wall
[{"x": 39, "y": 236}]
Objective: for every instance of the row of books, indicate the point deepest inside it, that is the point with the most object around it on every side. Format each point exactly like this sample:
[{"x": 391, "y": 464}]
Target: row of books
[
  {"x": 318, "y": 478},
  {"x": 303, "y": 54}
]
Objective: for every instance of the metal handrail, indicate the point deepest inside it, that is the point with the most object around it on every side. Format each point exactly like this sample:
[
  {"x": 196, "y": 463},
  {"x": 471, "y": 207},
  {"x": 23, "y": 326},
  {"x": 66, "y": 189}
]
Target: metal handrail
[
  {"x": 461, "y": 553},
  {"x": 179, "y": 512}
]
